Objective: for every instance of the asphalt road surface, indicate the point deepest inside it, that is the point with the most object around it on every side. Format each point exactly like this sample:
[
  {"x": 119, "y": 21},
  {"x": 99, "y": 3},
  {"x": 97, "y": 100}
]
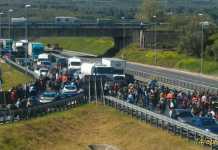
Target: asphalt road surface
[{"x": 194, "y": 79}]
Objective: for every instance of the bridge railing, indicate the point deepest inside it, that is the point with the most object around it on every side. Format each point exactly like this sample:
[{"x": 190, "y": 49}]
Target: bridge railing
[
  {"x": 176, "y": 82},
  {"x": 160, "y": 121}
]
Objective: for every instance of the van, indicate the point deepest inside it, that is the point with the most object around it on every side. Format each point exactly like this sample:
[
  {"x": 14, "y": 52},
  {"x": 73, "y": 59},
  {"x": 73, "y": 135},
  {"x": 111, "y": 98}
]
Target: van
[{"x": 74, "y": 63}]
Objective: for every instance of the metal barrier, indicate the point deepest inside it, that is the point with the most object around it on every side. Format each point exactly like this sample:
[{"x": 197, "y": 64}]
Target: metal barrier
[
  {"x": 178, "y": 83},
  {"x": 21, "y": 68},
  {"x": 11, "y": 115},
  {"x": 160, "y": 121}
]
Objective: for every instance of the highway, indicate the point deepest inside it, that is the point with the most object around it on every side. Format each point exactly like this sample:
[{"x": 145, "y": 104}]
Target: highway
[
  {"x": 191, "y": 78},
  {"x": 175, "y": 75}
]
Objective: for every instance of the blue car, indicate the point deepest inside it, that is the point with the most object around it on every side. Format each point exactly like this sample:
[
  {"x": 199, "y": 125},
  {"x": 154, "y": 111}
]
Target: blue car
[{"x": 205, "y": 123}]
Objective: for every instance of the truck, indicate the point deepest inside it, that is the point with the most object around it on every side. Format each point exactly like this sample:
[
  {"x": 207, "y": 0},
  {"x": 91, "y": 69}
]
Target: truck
[
  {"x": 35, "y": 49},
  {"x": 18, "y": 20},
  {"x": 99, "y": 70},
  {"x": 119, "y": 65},
  {"x": 19, "y": 48}
]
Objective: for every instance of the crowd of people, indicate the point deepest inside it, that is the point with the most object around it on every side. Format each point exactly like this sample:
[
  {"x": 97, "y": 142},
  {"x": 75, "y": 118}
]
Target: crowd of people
[
  {"x": 22, "y": 96},
  {"x": 163, "y": 100}
]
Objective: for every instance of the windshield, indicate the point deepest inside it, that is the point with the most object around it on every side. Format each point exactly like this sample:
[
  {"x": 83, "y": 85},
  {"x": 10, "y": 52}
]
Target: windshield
[
  {"x": 43, "y": 71},
  {"x": 45, "y": 63},
  {"x": 70, "y": 87},
  {"x": 75, "y": 63},
  {"x": 49, "y": 94},
  {"x": 103, "y": 70}
]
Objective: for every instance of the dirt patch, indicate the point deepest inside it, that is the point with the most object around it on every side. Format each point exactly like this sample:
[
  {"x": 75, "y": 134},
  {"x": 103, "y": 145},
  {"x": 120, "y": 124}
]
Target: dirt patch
[{"x": 102, "y": 147}]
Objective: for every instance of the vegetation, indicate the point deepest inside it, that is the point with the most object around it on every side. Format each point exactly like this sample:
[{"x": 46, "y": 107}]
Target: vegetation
[
  {"x": 170, "y": 59},
  {"x": 91, "y": 9},
  {"x": 92, "y": 45},
  {"x": 11, "y": 77},
  {"x": 85, "y": 125}
]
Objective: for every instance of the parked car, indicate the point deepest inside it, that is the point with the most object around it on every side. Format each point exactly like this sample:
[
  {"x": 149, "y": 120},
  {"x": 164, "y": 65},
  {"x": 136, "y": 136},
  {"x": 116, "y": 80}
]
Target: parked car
[
  {"x": 48, "y": 96},
  {"x": 182, "y": 115},
  {"x": 205, "y": 123},
  {"x": 70, "y": 88}
]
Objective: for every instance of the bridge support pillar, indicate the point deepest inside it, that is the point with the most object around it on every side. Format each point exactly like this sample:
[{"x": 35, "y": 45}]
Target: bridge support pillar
[{"x": 142, "y": 39}]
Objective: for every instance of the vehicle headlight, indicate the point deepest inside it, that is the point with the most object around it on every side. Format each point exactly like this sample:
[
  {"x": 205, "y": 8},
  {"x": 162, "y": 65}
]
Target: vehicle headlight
[{"x": 208, "y": 130}]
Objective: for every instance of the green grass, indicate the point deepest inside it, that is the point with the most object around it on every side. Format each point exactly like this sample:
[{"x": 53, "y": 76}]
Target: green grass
[
  {"x": 11, "y": 77},
  {"x": 91, "y": 45},
  {"x": 85, "y": 125},
  {"x": 170, "y": 59}
]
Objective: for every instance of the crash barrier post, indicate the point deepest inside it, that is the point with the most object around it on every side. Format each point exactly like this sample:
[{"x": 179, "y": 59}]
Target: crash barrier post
[
  {"x": 197, "y": 135},
  {"x": 8, "y": 115}
]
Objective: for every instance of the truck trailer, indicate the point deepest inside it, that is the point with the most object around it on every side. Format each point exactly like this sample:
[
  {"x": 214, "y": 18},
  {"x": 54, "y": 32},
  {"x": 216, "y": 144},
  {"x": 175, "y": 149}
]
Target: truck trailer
[{"x": 35, "y": 49}]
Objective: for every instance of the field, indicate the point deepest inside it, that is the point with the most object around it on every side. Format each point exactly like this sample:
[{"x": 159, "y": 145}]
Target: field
[
  {"x": 85, "y": 125},
  {"x": 170, "y": 59},
  {"x": 92, "y": 45},
  {"x": 12, "y": 77}
]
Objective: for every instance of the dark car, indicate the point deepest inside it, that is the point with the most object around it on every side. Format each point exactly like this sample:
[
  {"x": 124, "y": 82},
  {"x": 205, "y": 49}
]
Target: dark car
[
  {"x": 205, "y": 123},
  {"x": 182, "y": 115}
]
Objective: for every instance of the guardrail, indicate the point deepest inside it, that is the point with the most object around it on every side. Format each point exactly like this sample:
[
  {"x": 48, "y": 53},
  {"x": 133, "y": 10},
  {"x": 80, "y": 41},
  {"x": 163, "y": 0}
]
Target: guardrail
[
  {"x": 160, "y": 121},
  {"x": 21, "y": 68},
  {"x": 179, "y": 83},
  {"x": 11, "y": 115}
]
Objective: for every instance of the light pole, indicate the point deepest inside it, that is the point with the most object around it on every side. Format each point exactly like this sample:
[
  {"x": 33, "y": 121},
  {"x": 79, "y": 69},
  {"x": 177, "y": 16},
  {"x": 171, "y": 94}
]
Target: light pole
[
  {"x": 26, "y": 41},
  {"x": 155, "y": 40},
  {"x": 26, "y": 35},
  {"x": 1, "y": 13},
  {"x": 9, "y": 22},
  {"x": 26, "y": 22},
  {"x": 123, "y": 19},
  {"x": 202, "y": 23}
]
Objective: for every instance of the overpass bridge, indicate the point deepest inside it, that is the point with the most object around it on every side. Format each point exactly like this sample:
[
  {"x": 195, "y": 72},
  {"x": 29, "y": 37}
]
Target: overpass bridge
[{"x": 123, "y": 33}]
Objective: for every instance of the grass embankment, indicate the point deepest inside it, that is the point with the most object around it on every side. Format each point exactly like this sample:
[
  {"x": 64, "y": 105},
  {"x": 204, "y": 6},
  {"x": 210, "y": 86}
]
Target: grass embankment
[
  {"x": 91, "y": 45},
  {"x": 88, "y": 124},
  {"x": 170, "y": 59},
  {"x": 12, "y": 77}
]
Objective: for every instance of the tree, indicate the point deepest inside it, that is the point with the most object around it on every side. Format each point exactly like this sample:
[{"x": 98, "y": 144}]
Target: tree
[
  {"x": 212, "y": 47},
  {"x": 190, "y": 42},
  {"x": 149, "y": 9}
]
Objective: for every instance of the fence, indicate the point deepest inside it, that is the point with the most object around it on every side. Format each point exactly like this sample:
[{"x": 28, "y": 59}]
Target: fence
[
  {"x": 160, "y": 121},
  {"x": 173, "y": 82},
  {"x": 11, "y": 115}
]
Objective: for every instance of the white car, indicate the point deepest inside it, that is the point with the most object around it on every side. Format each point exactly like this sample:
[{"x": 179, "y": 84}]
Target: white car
[
  {"x": 69, "y": 88},
  {"x": 42, "y": 72}
]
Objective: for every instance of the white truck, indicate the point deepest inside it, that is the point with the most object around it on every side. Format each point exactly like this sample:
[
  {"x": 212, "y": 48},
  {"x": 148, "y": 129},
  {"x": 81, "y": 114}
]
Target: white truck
[
  {"x": 74, "y": 63},
  {"x": 119, "y": 65},
  {"x": 95, "y": 69}
]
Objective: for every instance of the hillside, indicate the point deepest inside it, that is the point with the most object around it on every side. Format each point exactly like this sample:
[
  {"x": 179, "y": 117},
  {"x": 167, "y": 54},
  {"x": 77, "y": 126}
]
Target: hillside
[
  {"x": 12, "y": 77},
  {"x": 92, "y": 45},
  {"x": 89, "y": 124}
]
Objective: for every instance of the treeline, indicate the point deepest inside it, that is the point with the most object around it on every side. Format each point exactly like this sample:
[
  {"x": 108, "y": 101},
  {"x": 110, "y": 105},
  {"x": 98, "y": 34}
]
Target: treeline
[
  {"x": 198, "y": 29},
  {"x": 48, "y": 9}
]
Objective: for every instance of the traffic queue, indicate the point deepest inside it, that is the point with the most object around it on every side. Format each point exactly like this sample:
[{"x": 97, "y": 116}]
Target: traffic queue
[{"x": 63, "y": 77}]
